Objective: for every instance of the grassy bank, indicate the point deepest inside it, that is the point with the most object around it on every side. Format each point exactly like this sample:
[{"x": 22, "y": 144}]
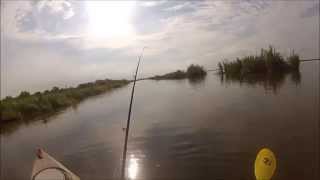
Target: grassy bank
[
  {"x": 26, "y": 105},
  {"x": 193, "y": 71},
  {"x": 269, "y": 61}
]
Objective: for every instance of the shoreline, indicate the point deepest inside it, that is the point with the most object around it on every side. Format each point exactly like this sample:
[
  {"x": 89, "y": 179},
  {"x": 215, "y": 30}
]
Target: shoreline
[{"x": 28, "y": 106}]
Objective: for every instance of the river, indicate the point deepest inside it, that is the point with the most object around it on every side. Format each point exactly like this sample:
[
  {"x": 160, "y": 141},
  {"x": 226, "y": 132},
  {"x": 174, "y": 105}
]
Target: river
[{"x": 181, "y": 129}]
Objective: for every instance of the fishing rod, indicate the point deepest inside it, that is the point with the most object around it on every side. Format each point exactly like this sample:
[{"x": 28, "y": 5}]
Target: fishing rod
[
  {"x": 315, "y": 59},
  {"x": 124, "y": 155}
]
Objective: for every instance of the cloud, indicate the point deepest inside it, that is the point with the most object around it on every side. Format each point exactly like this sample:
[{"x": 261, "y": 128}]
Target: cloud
[
  {"x": 41, "y": 65},
  {"x": 227, "y": 29},
  {"x": 151, "y": 3},
  {"x": 311, "y": 11},
  {"x": 48, "y": 45},
  {"x": 153, "y": 19},
  {"x": 179, "y": 6},
  {"x": 48, "y": 17},
  {"x": 56, "y": 7}
]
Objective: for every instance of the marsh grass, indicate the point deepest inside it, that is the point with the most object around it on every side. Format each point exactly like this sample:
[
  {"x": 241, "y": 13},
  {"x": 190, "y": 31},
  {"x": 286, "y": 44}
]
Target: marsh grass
[
  {"x": 269, "y": 69},
  {"x": 26, "y": 106},
  {"x": 269, "y": 61}
]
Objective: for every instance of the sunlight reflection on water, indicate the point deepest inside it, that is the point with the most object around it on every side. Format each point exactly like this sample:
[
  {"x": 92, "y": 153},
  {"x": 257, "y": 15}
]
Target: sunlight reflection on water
[{"x": 133, "y": 167}]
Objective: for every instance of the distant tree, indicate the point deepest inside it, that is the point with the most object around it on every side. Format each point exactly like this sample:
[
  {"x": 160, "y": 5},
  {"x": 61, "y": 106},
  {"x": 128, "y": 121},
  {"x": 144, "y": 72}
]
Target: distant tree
[
  {"x": 55, "y": 89},
  {"x": 24, "y": 94},
  {"x": 195, "y": 71},
  {"x": 8, "y": 98},
  {"x": 100, "y": 82},
  {"x": 84, "y": 85},
  {"x": 37, "y": 93}
]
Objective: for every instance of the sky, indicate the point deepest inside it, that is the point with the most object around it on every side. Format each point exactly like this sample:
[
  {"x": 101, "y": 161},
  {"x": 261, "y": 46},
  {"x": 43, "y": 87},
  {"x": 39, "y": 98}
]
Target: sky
[{"x": 64, "y": 43}]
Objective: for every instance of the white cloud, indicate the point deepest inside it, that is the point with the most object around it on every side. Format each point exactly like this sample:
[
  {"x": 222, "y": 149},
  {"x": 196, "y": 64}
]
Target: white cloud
[
  {"x": 56, "y": 7},
  {"x": 227, "y": 29},
  {"x": 151, "y": 3},
  {"x": 10, "y": 10},
  {"x": 178, "y": 7}
]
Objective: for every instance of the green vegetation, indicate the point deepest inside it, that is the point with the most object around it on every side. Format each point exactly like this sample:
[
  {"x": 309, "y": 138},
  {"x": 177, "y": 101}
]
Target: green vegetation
[
  {"x": 294, "y": 61},
  {"x": 193, "y": 71},
  {"x": 269, "y": 69},
  {"x": 174, "y": 75},
  {"x": 26, "y": 106},
  {"x": 269, "y": 61}
]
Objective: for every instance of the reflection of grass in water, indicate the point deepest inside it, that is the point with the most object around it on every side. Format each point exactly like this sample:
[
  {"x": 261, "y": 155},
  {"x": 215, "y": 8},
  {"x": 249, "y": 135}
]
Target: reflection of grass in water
[
  {"x": 296, "y": 77},
  {"x": 270, "y": 81},
  {"x": 9, "y": 127},
  {"x": 197, "y": 81}
]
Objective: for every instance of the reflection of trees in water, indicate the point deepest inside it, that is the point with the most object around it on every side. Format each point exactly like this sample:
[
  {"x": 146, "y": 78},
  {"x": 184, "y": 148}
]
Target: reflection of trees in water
[
  {"x": 270, "y": 81},
  {"x": 197, "y": 81},
  {"x": 10, "y": 127},
  {"x": 296, "y": 77}
]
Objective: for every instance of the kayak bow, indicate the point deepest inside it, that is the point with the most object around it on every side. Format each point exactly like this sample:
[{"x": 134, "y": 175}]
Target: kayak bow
[{"x": 46, "y": 167}]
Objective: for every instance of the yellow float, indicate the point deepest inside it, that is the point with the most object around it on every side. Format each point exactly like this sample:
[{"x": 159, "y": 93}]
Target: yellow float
[{"x": 265, "y": 164}]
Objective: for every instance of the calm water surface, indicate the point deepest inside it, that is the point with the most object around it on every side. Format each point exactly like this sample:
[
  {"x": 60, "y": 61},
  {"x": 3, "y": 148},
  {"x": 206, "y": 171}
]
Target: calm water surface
[{"x": 181, "y": 129}]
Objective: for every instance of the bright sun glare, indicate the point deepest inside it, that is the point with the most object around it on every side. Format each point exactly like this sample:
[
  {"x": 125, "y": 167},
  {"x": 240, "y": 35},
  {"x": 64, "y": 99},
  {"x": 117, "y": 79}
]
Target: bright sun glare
[
  {"x": 133, "y": 167},
  {"x": 110, "y": 19}
]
